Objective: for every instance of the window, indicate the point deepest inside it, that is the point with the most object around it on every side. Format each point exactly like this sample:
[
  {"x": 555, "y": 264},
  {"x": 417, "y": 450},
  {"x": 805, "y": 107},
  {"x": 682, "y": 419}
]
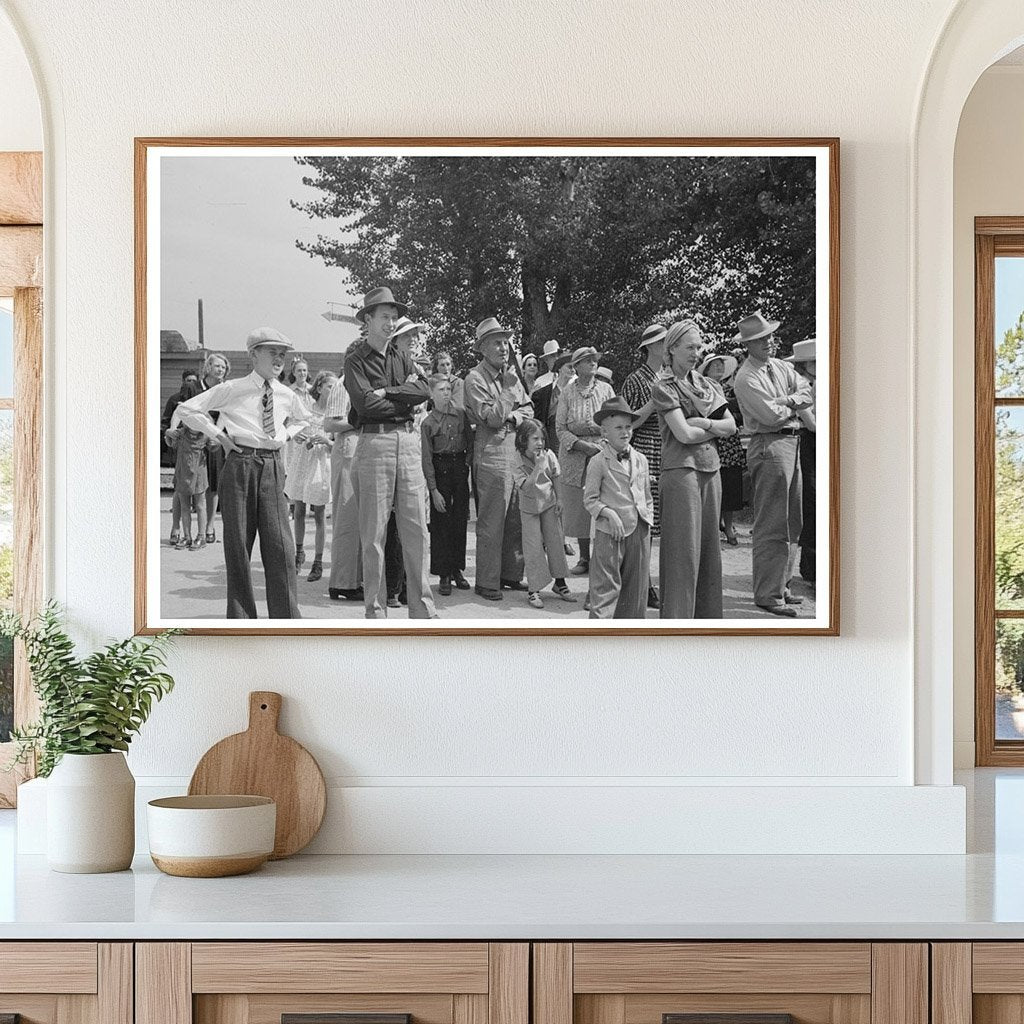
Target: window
[{"x": 999, "y": 490}]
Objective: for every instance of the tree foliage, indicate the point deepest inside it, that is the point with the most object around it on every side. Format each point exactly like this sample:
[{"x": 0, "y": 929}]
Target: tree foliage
[
  {"x": 89, "y": 705},
  {"x": 1009, "y": 474},
  {"x": 588, "y": 250}
]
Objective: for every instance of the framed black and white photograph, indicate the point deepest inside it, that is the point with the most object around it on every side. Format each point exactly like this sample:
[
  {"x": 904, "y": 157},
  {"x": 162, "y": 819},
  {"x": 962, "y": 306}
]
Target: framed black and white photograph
[{"x": 449, "y": 386}]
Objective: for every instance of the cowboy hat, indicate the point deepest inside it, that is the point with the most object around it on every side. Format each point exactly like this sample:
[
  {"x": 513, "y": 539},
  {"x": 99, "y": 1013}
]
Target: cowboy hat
[
  {"x": 267, "y": 336},
  {"x": 652, "y": 334},
  {"x": 551, "y": 348},
  {"x": 585, "y": 352},
  {"x": 728, "y": 362},
  {"x": 490, "y": 328},
  {"x": 803, "y": 351},
  {"x": 405, "y": 324},
  {"x": 753, "y": 327},
  {"x": 379, "y": 297},
  {"x": 616, "y": 406}
]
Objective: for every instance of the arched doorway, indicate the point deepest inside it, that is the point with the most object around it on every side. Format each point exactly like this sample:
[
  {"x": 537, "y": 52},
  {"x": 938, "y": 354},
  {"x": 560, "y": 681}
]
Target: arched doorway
[{"x": 976, "y": 34}]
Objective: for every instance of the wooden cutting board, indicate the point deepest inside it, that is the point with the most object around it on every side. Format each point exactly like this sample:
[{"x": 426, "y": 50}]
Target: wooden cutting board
[{"x": 262, "y": 762}]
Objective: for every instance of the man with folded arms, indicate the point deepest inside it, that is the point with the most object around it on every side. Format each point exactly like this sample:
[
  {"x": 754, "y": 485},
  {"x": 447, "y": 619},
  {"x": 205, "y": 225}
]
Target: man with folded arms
[
  {"x": 496, "y": 403},
  {"x": 771, "y": 394},
  {"x": 385, "y": 388},
  {"x": 258, "y": 415}
]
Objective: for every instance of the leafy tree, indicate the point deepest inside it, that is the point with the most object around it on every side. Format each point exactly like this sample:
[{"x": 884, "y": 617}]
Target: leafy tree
[
  {"x": 1010, "y": 361},
  {"x": 588, "y": 250}
]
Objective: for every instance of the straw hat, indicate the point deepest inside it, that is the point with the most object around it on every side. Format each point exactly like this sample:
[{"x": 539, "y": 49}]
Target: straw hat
[
  {"x": 652, "y": 334},
  {"x": 728, "y": 362},
  {"x": 803, "y": 351}
]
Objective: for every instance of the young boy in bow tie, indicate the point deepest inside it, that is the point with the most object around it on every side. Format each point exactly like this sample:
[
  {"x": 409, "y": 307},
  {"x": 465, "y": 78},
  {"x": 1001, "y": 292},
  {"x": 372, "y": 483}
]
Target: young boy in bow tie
[{"x": 617, "y": 494}]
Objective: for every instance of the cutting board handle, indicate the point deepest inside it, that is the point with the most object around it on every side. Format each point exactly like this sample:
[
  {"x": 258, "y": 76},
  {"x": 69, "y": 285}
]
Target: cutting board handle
[{"x": 264, "y": 710}]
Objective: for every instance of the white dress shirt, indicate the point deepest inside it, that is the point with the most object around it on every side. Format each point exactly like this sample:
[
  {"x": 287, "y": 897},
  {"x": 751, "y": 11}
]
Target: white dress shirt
[{"x": 240, "y": 404}]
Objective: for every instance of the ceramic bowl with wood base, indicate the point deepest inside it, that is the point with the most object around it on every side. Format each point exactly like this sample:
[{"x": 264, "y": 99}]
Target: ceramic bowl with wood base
[{"x": 211, "y": 836}]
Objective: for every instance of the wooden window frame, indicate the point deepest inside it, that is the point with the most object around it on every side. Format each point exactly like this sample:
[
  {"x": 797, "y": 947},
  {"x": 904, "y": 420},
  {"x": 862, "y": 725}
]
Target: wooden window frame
[{"x": 21, "y": 278}]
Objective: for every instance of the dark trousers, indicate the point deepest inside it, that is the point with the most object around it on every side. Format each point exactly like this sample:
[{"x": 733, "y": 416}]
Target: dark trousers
[
  {"x": 808, "y": 532},
  {"x": 448, "y": 528},
  {"x": 394, "y": 569},
  {"x": 252, "y": 502}
]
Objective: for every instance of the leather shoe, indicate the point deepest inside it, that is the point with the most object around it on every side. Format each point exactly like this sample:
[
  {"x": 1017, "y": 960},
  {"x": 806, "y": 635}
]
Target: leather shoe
[
  {"x": 460, "y": 581},
  {"x": 653, "y": 601},
  {"x": 581, "y": 568},
  {"x": 791, "y": 598},
  {"x": 513, "y": 585},
  {"x": 785, "y": 610},
  {"x": 341, "y": 594},
  {"x": 488, "y": 594},
  {"x": 445, "y": 589},
  {"x": 393, "y": 601}
]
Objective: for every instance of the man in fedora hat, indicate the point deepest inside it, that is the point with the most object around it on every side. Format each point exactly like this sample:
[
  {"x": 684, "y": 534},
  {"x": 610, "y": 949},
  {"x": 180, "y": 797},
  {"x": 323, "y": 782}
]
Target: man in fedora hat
[
  {"x": 804, "y": 358},
  {"x": 496, "y": 403},
  {"x": 257, "y": 416},
  {"x": 770, "y": 395},
  {"x": 385, "y": 388}
]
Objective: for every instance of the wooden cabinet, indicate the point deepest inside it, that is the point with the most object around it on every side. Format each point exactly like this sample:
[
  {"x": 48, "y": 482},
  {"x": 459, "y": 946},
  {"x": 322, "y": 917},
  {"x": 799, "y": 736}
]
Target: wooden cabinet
[
  {"x": 307, "y": 982},
  {"x": 663, "y": 982},
  {"x": 66, "y": 982},
  {"x": 979, "y": 982}
]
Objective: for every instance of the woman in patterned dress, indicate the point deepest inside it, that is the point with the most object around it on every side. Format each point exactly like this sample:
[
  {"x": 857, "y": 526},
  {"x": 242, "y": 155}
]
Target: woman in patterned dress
[
  {"x": 578, "y": 440},
  {"x": 722, "y": 369},
  {"x": 637, "y": 392},
  {"x": 647, "y": 433}
]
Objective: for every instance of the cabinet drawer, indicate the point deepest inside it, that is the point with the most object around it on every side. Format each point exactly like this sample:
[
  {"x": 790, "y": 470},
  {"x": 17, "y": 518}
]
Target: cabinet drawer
[
  {"x": 730, "y": 983},
  {"x": 66, "y": 982},
  {"x": 332, "y": 983},
  {"x": 66, "y": 967}
]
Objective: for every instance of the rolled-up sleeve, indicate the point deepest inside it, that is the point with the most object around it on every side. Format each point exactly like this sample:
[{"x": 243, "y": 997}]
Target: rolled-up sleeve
[
  {"x": 195, "y": 413},
  {"x": 484, "y": 406},
  {"x": 759, "y": 405}
]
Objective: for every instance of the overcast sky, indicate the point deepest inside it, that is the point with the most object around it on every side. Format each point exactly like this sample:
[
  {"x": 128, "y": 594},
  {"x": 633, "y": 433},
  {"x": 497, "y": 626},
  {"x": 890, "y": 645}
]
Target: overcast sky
[{"x": 228, "y": 237}]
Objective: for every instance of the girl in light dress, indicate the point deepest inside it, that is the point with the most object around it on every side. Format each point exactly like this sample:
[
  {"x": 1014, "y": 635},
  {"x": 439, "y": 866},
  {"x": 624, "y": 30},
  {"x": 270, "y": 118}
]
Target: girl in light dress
[
  {"x": 308, "y": 478},
  {"x": 298, "y": 381}
]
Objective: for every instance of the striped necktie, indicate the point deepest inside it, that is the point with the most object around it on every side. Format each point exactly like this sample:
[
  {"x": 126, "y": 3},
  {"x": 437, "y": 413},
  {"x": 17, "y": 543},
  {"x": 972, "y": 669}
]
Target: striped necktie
[{"x": 268, "y": 410}]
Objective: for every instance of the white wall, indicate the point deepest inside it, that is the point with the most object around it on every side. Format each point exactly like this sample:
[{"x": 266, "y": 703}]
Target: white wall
[
  {"x": 987, "y": 182},
  {"x": 430, "y": 717},
  {"x": 21, "y": 127}
]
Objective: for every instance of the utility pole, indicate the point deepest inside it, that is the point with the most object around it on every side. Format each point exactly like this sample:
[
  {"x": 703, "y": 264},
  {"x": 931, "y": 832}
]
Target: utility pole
[{"x": 202, "y": 345}]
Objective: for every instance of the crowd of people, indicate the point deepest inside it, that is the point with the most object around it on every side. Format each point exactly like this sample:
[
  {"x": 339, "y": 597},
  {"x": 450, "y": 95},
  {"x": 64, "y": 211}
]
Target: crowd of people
[{"x": 557, "y": 464}]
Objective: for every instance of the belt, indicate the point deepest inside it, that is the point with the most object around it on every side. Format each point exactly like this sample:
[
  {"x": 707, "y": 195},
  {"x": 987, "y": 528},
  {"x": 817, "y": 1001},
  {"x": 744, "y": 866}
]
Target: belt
[
  {"x": 244, "y": 449},
  {"x": 788, "y": 431},
  {"x": 387, "y": 428},
  {"x": 450, "y": 456}
]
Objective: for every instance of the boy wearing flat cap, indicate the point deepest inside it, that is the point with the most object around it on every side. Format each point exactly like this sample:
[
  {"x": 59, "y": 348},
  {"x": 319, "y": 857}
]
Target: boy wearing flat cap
[
  {"x": 617, "y": 494},
  {"x": 258, "y": 415}
]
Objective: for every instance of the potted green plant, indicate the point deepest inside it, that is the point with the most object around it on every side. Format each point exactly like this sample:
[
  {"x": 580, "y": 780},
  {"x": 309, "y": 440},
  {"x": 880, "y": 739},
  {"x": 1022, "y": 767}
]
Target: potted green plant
[{"x": 89, "y": 710}]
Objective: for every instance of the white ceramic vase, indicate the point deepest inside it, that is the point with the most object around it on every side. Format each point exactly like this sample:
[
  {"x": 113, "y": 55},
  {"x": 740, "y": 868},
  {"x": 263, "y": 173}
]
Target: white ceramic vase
[{"x": 90, "y": 814}]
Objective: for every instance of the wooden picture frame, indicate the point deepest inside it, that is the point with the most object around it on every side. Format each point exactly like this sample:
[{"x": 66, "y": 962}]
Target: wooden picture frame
[{"x": 155, "y": 225}]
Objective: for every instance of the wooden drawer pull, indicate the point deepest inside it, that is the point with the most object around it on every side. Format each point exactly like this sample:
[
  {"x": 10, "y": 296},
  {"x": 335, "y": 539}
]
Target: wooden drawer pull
[
  {"x": 726, "y": 1018},
  {"x": 339, "y": 1018}
]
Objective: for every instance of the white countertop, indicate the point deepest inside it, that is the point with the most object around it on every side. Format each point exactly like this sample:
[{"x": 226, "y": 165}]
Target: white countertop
[
  {"x": 977, "y": 896},
  {"x": 516, "y": 897}
]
